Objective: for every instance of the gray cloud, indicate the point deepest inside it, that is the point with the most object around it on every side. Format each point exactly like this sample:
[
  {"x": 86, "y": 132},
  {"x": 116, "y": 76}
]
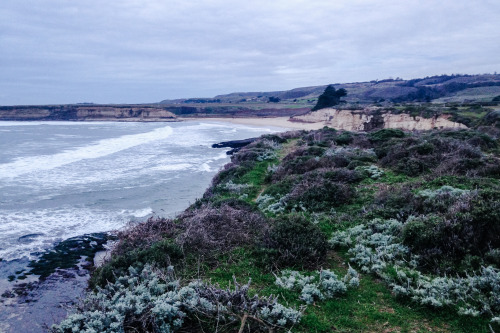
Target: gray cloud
[{"x": 130, "y": 51}]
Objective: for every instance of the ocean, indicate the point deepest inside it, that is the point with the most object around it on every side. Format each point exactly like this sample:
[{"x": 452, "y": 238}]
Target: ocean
[{"x": 64, "y": 179}]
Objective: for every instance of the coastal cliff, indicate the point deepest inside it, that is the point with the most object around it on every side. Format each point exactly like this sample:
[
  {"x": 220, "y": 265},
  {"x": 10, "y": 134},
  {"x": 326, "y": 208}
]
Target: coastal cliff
[
  {"x": 299, "y": 214},
  {"x": 86, "y": 113},
  {"x": 372, "y": 118},
  {"x": 137, "y": 112}
]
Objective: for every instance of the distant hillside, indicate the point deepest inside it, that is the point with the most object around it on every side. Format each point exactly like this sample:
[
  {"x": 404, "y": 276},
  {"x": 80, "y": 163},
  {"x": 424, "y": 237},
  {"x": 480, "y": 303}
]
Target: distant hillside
[
  {"x": 442, "y": 87},
  {"x": 459, "y": 92}
]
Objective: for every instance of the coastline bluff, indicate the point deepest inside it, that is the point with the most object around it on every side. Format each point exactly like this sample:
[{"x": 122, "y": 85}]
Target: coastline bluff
[
  {"x": 86, "y": 112},
  {"x": 373, "y": 118}
]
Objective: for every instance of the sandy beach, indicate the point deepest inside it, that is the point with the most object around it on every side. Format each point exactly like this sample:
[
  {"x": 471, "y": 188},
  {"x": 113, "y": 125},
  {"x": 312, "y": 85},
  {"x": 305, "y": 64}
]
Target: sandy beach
[{"x": 264, "y": 122}]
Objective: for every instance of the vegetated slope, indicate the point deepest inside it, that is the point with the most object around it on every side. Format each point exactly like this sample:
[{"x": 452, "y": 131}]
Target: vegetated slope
[
  {"x": 426, "y": 89},
  {"x": 355, "y": 232},
  {"x": 461, "y": 90}
]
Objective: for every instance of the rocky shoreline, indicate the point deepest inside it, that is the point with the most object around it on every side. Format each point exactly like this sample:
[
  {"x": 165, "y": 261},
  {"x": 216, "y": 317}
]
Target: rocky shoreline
[
  {"x": 36, "y": 294},
  {"x": 236, "y": 145}
]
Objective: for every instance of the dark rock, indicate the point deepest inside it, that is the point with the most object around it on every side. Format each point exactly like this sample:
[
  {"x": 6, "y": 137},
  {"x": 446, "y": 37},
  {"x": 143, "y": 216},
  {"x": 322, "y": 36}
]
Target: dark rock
[
  {"x": 235, "y": 144},
  {"x": 67, "y": 253}
]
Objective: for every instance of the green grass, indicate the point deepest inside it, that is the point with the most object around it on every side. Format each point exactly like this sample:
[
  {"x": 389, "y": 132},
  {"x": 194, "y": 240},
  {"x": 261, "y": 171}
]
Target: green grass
[
  {"x": 464, "y": 183},
  {"x": 472, "y": 114},
  {"x": 369, "y": 308}
]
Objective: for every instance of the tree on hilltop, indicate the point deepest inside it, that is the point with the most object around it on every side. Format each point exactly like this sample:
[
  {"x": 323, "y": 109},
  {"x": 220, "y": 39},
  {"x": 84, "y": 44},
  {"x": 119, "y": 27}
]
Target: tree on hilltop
[{"x": 330, "y": 97}]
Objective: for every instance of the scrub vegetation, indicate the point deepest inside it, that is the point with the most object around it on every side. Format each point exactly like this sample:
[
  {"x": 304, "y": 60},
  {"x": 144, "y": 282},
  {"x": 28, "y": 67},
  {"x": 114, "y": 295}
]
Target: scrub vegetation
[{"x": 320, "y": 231}]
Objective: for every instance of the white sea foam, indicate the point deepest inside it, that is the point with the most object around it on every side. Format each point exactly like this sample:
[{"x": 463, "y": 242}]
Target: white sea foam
[
  {"x": 50, "y": 123},
  {"x": 102, "y": 148},
  {"x": 205, "y": 167},
  {"x": 52, "y": 225},
  {"x": 101, "y": 185},
  {"x": 173, "y": 167},
  {"x": 138, "y": 213}
]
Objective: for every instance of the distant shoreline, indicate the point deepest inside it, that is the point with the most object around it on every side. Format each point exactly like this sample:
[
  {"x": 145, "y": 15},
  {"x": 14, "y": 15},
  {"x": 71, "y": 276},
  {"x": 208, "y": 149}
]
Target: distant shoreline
[{"x": 260, "y": 121}]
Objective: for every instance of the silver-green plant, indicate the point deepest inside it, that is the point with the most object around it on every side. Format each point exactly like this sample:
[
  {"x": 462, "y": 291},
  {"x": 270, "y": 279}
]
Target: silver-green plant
[
  {"x": 153, "y": 301},
  {"x": 271, "y": 204},
  {"x": 318, "y": 286},
  {"x": 443, "y": 190},
  {"x": 270, "y": 151},
  {"x": 376, "y": 248},
  {"x": 373, "y": 171},
  {"x": 233, "y": 187}
]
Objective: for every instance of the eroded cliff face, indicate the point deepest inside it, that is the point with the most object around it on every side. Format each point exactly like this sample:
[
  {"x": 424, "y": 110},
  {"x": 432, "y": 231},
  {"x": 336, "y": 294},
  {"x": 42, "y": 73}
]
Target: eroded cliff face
[
  {"x": 338, "y": 119},
  {"x": 371, "y": 119},
  {"x": 78, "y": 112},
  {"x": 146, "y": 114},
  {"x": 407, "y": 122}
]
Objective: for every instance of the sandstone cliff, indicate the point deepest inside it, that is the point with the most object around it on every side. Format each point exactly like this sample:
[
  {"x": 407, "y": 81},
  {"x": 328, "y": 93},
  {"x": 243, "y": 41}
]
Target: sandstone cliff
[
  {"x": 82, "y": 113},
  {"x": 133, "y": 113},
  {"x": 372, "y": 118}
]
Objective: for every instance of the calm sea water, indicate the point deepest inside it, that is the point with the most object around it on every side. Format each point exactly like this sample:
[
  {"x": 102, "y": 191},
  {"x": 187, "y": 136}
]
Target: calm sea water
[{"x": 63, "y": 179}]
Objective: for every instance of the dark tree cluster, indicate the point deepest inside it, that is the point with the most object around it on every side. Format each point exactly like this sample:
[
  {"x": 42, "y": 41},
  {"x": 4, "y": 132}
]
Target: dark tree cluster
[{"x": 330, "y": 97}]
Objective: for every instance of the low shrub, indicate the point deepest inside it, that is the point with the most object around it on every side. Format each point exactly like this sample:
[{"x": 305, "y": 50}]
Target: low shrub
[
  {"x": 211, "y": 231},
  {"x": 439, "y": 200},
  {"x": 342, "y": 175},
  {"x": 420, "y": 234},
  {"x": 162, "y": 254},
  {"x": 394, "y": 202},
  {"x": 323, "y": 284},
  {"x": 370, "y": 171},
  {"x": 293, "y": 241},
  {"x": 323, "y": 137},
  {"x": 314, "y": 151},
  {"x": 143, "y": 235},
  {"x": 315, "y": 194},
  {"x": 385, "y": 135},
  {"x": 473, "y": 137},
  {"x": 231, "y": 172},
  {"x": 344, "y": 139},
  {"x": 412, "y": 167},
  {"x": 425, "y": 148},
  {"x": 491, "y": 119},
  {"x": 277, "y": 138},
  {"x": 447, "y": 241},
  {"x": 282, "y": 186},
  {"x": 152, "y": 300}
]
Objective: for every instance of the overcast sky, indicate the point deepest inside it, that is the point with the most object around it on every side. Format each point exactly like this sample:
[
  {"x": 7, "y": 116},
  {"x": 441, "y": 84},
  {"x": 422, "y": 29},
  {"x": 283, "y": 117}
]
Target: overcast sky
[{"x": 135, "y": 51}]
